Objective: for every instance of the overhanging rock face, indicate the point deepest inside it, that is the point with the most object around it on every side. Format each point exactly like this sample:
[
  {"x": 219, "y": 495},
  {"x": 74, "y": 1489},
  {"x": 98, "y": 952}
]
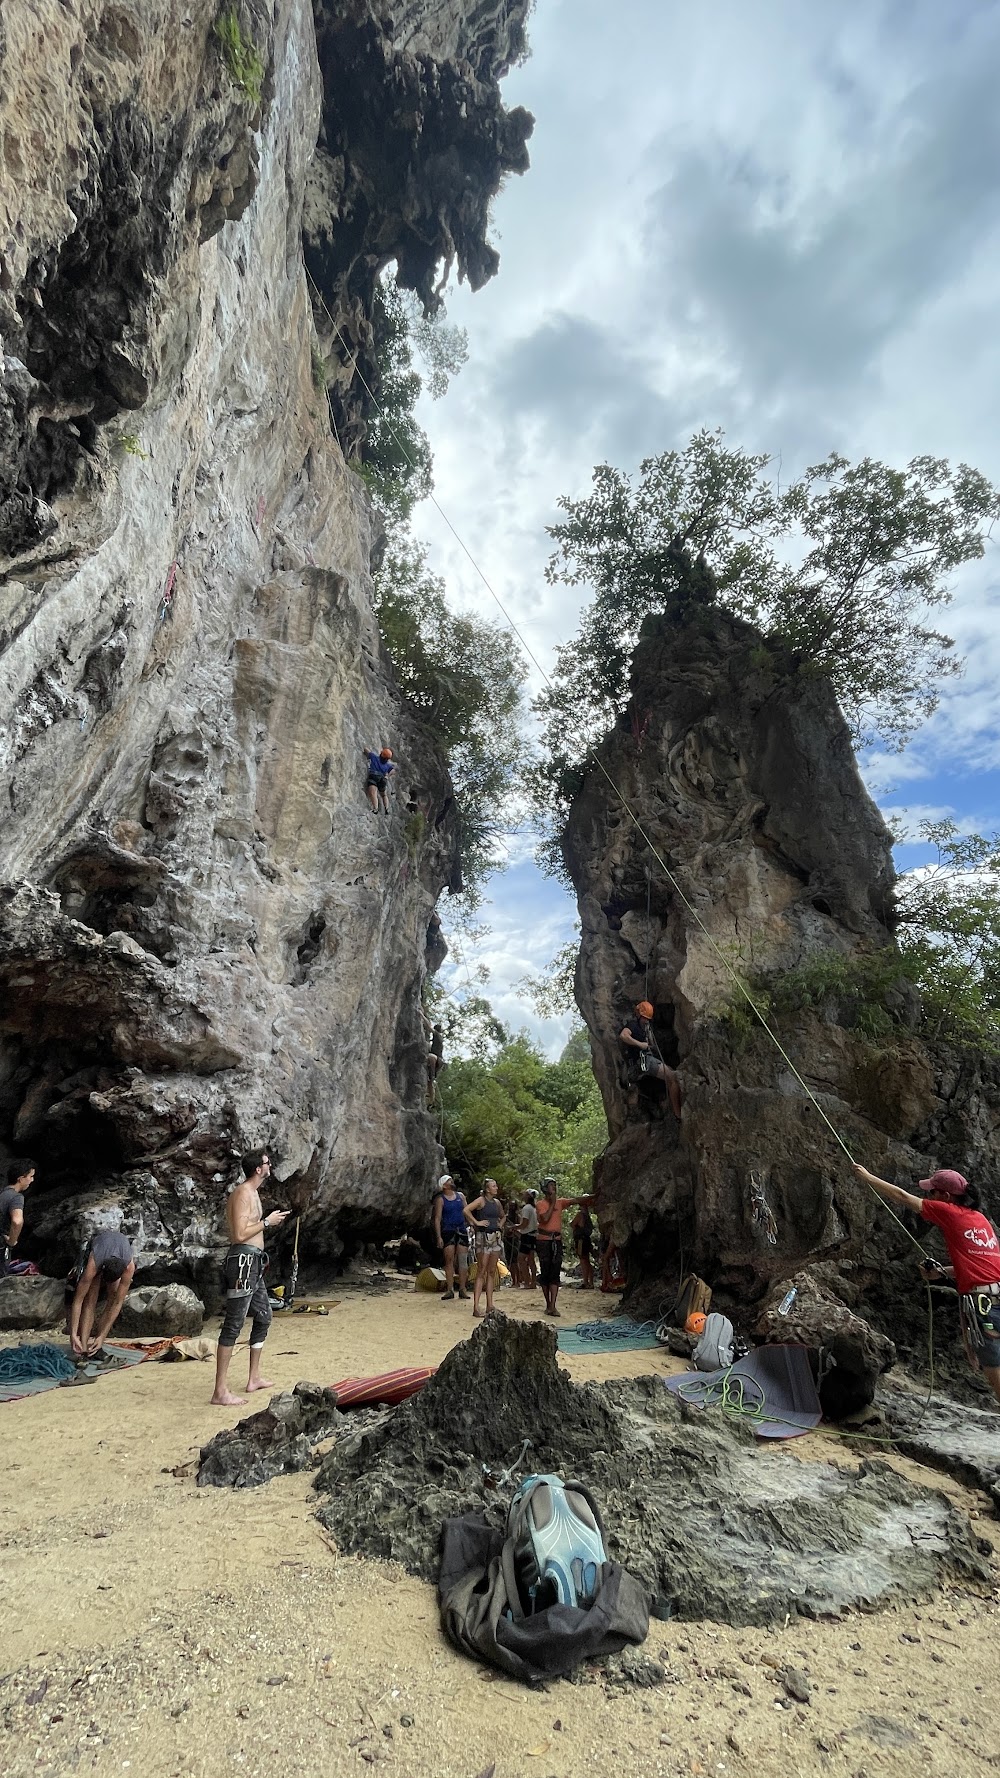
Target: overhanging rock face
[
  {"x": 742, "y": 775},
  {"x": 207, "y": 939}
]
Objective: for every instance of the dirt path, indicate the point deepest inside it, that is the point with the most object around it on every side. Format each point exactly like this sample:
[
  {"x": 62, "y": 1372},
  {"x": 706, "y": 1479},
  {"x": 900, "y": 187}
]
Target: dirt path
[{"x": 152, "y": 1628}]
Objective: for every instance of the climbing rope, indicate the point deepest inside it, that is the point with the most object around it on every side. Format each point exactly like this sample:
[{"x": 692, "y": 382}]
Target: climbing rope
[
  {"x": 607, "y": 1332},
  {"x": 25, "y": 1364}
]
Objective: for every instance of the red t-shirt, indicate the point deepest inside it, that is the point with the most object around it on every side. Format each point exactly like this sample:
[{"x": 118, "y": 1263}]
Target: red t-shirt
[{"x": 972, "y": 1245}]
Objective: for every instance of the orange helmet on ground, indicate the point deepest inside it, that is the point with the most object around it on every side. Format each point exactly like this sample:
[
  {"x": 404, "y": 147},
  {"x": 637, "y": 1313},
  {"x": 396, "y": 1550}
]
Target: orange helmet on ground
[
  {"x": 386, "y": 753},
  {"x": 644, "y": 1008},
  {"x": 695, "y": 1324}
]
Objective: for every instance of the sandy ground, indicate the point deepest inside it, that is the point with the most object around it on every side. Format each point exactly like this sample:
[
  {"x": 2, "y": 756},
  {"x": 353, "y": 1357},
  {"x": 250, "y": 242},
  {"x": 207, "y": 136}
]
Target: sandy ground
[{"x": 152, "y": 1628}]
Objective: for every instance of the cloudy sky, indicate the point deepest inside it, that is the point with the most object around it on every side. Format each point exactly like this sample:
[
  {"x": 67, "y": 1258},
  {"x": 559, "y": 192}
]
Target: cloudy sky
[{"x": 777, "y": 218}]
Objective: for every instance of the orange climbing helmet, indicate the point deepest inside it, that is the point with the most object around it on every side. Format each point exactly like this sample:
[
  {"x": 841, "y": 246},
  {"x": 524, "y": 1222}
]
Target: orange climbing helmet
[
  {"x": 695, "y": 1324},
  {"x": 644, "y": 1008},
  {"x": 386, "y": 753}
]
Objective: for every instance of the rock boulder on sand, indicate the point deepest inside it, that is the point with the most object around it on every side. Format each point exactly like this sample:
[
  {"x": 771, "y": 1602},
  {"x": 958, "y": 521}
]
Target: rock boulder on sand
[
  {"x": 274, "y": 1442},
  {"x": 30, "y": 1302},
  {"x": 161, "y": 1310}
]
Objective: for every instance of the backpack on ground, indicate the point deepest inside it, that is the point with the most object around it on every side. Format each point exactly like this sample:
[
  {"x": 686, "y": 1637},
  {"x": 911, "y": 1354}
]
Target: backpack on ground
[
  {"x": 555, "y": 1552},
  {"x": 693, "y": 1298},
  {"x": 716, "y": 1349}
]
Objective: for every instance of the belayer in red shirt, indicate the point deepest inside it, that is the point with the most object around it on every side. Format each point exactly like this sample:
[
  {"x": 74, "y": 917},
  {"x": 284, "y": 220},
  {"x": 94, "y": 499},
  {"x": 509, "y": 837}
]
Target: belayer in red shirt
[{"x": 953, "y": 1206}]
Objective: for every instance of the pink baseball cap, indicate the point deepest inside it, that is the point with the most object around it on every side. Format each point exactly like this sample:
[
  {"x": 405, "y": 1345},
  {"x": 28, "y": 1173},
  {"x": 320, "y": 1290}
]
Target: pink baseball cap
[{"x": 945, "y": 1180}]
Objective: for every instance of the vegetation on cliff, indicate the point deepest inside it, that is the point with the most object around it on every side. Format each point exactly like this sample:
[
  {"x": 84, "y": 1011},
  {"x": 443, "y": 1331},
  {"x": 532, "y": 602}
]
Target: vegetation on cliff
[
  {"x": 947, "y": 949},
  {"x": 458, "y": 670}
]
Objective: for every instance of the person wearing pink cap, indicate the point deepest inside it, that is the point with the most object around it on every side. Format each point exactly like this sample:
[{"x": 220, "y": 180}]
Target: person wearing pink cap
[{"x": 953, "y": 1206}]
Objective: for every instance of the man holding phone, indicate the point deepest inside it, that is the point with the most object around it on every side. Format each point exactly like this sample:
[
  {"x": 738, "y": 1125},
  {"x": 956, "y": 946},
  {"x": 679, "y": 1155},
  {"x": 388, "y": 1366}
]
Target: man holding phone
[{"x": 246, "y": 1292}]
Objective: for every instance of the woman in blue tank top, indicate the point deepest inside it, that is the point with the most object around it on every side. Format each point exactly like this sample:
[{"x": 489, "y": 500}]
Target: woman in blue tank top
[
  {"x": 487, "y": 1216},
  {"x": 452, "y": 1234}
]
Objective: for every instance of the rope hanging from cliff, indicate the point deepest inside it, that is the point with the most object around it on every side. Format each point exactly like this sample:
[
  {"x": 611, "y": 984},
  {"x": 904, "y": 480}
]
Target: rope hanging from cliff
[{"x": 736, "y": 979}]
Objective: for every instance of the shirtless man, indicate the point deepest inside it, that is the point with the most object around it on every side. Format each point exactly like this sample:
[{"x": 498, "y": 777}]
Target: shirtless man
[{"x": 245, "y": 1287}]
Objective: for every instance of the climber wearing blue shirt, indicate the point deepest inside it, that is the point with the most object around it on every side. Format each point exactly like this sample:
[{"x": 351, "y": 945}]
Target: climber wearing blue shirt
[{"x": 380, "y": 768}]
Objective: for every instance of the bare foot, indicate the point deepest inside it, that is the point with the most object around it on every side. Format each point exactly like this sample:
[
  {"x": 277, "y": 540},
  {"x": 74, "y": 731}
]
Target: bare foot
[
  {"x": 225, "y": 1400},
  {"x": 261, "y": 1383},
  {"x": 480, "y": 1313}
]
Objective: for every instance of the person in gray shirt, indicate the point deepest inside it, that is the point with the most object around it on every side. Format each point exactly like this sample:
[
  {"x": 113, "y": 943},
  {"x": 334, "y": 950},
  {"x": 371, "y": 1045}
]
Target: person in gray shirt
[
  {"x": 20, "y": 1175},
  {"x": 108, "y": 1264}
]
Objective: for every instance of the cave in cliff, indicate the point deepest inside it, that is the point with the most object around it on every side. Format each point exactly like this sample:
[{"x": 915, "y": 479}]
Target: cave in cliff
[{"x": 206, "y": 940}]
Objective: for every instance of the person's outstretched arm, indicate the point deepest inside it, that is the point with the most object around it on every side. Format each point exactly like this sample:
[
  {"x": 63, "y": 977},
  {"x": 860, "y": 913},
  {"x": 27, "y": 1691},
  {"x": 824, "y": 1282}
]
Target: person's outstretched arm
[{"x": 894, "y": 1194}]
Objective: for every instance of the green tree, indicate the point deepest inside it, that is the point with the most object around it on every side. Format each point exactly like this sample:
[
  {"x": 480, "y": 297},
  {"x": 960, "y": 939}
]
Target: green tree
[
  {"x": 396, "y": 459},
  {"x": 553, "y": 992},
  {"x": 463, "y": 676},
  {"x": 840, "y": 570},
  {"x": 949, "y": 934},
  {"x": 516, "y": 1117}
]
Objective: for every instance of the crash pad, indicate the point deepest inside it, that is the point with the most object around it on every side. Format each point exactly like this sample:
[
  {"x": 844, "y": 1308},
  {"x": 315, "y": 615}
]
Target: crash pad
[
  {"x": 772, "y": 1389},
  {"x": 389, "y": 1388}
]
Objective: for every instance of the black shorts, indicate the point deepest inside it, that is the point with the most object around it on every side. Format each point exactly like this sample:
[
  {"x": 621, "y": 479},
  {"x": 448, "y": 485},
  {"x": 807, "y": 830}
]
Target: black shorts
[
  {"x": 550, "y": 1256},
  {"x": 528, "y": 1244},
  {"x": 455, "y": 1238},
  {"x": 376, "y": 783},
  {"x": 981, "y": 1319}
]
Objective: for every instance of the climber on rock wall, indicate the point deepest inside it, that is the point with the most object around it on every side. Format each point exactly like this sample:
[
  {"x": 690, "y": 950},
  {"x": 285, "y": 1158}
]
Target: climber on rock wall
[
  {"x": 953, "y": 1206},
  {"x": 637, "y": 1042},
  {"x": 380, "y": 769}
]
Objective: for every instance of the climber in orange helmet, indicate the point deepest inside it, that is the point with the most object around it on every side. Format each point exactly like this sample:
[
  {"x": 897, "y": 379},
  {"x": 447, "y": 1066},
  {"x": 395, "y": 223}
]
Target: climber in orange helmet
[
  {"x": 380, "y": 769},
  {"x": 636, "y": 1040}
]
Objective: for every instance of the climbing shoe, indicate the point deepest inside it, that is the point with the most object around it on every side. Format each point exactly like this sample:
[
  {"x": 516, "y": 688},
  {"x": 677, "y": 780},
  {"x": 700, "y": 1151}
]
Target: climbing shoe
[
  {"x": 463, "y": 1296},
  {"x": 448, "y": 1296}
]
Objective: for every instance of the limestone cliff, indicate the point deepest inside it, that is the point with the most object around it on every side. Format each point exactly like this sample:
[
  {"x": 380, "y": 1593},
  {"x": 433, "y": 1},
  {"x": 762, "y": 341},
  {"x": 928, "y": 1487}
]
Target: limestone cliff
[
  {"x": 207, "y": 939},
  {"x": 742, "y": 775}
]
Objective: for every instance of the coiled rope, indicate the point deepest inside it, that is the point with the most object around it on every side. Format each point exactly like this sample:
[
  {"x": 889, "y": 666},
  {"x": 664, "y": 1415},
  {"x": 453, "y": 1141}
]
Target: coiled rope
[{"x": 26, "y": 1364}]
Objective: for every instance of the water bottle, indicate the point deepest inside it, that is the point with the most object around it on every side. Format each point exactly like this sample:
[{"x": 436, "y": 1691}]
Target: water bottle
[{"x": 787, "y": 1301}]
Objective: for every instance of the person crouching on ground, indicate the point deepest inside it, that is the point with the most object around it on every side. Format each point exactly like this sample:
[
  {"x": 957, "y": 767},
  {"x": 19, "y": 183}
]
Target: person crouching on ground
[
  {"x": 380, "y": 770},
  {"x": 245, "y": 1266},
  {"x": 953, "y": 1206},
  {"x": 108, "y": 1266},
  {"x": 636, "y": 1040},
  {"x": 486, "y": 1215},
  {"x": 550, "y": 1245},
  {"x": 452, "y": 1236}
]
